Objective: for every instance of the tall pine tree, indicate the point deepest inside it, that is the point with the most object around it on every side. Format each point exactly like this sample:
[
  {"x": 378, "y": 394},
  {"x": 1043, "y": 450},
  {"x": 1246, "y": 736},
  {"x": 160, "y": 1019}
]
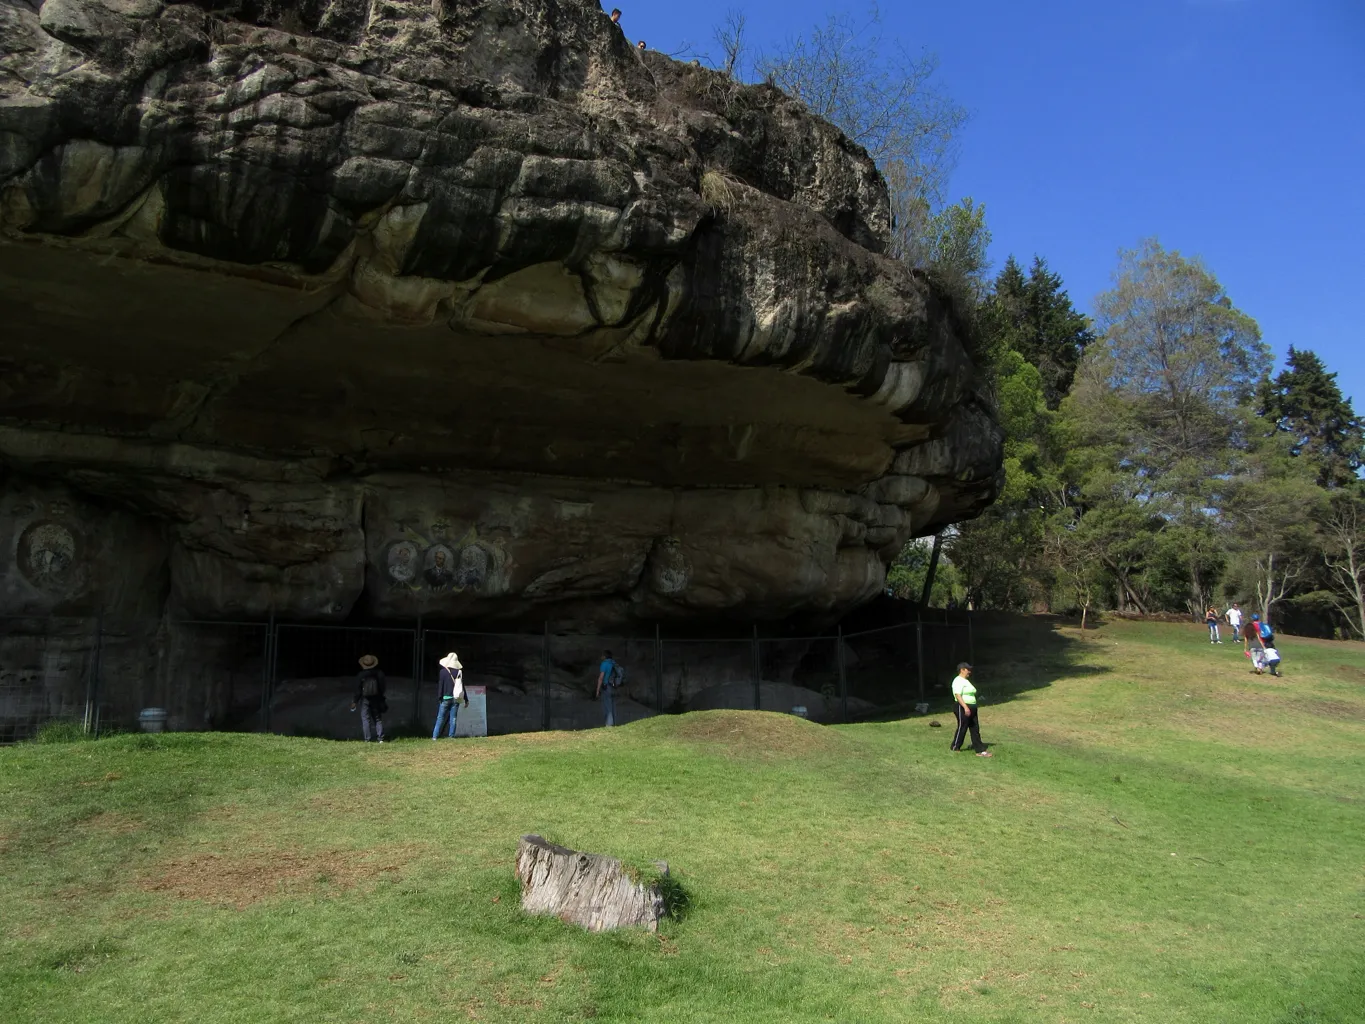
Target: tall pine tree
[
  {"x": 1033, "y": 316},
  {"x": 1060, "y": 334},
  {"x": 1305, "y": 403}
]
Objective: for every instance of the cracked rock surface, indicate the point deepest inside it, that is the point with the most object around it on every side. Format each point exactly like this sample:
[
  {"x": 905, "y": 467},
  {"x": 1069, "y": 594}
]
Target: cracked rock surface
[{"x": 462, "y": 308}]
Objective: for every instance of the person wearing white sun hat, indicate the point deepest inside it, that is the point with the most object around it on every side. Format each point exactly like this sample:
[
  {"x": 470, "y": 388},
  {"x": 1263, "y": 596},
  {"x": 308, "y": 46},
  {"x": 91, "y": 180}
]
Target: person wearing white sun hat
[{"x": 451, "y": 684}]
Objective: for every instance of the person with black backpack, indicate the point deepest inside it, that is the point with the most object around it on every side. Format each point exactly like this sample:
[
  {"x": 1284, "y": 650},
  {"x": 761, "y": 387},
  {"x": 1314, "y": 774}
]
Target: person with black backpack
[
  {"x": 369, "y": 695},
  {"x": 610, "y": 676}
]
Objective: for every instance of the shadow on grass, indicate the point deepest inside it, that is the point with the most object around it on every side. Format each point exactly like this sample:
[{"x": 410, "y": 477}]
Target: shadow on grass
[
  {"x": 1012, "y": 655},
  {"x": 677, "y": 899}
]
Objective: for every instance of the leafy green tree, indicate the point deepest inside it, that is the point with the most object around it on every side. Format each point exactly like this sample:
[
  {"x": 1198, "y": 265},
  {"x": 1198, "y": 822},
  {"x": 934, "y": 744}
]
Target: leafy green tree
[
  {"x": 1305, "y": 403},
  {"x": 1001, "y": 554},
  {"x": 955, "y": 243},
  {"x": 1267, "y": 503},
  {"x": 1162, "y": 400},
  {"x": 1179, "y": 354},
  {"x": 1035, "y": 317},
  {"x": 906, "y": 576}
]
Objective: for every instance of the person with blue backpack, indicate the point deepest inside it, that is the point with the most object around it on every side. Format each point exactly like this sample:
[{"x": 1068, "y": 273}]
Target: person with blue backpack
[
  {"x": 1258, "y": 636},
  {"x": 1272, "y": 656},
  {"x": 610, "y": 676}
]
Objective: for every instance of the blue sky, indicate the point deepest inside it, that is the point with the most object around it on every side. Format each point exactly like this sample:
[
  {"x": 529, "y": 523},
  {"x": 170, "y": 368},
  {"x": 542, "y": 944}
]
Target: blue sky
[{"x": 1230, "y": 129}]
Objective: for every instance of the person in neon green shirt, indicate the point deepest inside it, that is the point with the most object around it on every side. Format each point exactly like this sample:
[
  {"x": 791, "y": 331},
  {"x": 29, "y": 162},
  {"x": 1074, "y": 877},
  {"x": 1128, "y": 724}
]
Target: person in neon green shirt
[{"x": 966, "y": 711}]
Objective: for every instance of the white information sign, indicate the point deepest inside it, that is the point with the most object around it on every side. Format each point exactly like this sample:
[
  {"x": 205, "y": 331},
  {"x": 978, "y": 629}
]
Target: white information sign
[{"x": 473, "y": 720}]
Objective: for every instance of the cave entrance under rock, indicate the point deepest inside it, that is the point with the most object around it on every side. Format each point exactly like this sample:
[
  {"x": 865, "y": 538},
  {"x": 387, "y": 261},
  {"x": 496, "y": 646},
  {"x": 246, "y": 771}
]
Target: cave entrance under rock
[{"x": 300, "y": 678}]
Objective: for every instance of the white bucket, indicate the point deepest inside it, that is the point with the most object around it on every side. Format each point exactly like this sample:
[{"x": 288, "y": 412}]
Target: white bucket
[
  {"x": 922, "y": 708},
  {"x": 153, "y": 719},
  {"x": 800, "y": 711}
]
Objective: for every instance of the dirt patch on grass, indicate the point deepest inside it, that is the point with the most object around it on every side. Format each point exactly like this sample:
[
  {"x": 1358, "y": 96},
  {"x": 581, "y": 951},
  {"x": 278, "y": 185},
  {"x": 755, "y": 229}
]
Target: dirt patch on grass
[
  {"x": 1294, "y": 702},
  {"x": 447, "y": 758},
  {"x": 756, "y": 733},
  {"x": 112, "y": 823},
  {"x": 1336, "y": 709},
  {"x": 241, "y": 879}
]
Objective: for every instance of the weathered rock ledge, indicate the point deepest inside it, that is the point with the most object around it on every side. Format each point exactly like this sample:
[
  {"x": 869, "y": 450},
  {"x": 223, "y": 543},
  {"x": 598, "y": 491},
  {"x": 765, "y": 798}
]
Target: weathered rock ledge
[{"x": 464, "y": 308}]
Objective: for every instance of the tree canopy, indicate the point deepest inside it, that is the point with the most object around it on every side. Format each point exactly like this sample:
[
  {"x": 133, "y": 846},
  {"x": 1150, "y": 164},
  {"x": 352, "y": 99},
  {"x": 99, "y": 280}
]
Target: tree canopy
[
  {"x": 1151, "y": 461},
  {"x": 1305, "y": 404}
]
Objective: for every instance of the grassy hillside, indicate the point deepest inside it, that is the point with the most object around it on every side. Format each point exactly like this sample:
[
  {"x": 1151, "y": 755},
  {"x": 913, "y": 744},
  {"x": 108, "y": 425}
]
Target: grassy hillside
[{"x": 1161, "y": 836}]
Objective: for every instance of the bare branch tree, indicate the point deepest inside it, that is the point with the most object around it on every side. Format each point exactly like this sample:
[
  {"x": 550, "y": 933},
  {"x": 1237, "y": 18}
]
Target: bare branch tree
[
  {"x": 1344, "y": 527},
  {"x": 1274, "y": 576},
  {"x": 733, "y": 47},
  {"x": 881, "y": 96},
  {"x": 1074, "y": 561}
]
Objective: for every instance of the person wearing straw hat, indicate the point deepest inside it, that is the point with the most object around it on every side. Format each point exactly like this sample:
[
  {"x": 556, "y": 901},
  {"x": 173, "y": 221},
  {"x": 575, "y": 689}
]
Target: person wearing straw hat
[
  {"x": 369, "y": 695},
  {"x": 451, "y": 683}
]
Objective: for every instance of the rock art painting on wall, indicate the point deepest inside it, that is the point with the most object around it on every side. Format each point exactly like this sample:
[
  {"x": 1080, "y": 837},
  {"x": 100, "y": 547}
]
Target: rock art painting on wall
[{"x": 47, "y": 555}]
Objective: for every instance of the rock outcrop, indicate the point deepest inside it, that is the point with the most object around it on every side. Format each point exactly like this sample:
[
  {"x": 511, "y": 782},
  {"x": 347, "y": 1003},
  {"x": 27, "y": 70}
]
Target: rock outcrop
[
  {"x": 463, "y": 308},
  {"x": 587, "y": 889}
]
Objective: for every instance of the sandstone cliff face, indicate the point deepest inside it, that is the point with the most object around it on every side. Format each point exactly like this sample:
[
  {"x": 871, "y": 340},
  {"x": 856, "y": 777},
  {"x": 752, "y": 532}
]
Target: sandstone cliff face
[{"x": 460, "y": 307}]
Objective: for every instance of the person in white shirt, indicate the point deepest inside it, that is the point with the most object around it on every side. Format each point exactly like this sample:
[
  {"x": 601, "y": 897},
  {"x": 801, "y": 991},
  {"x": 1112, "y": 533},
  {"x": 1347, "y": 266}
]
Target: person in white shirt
[
  {"x": 1234, "y": 617},
  {"x": 966, "y": 711}
]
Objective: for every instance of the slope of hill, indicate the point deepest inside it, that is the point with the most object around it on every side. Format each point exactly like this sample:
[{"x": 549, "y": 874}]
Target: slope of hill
[{"x": 1161, "y": 836}]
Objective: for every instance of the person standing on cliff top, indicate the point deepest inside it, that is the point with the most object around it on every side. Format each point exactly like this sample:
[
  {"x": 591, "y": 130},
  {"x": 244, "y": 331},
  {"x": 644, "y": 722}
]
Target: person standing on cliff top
[
  {"x": 616, "y": 15},
  {"x": 369, "y": 695}
]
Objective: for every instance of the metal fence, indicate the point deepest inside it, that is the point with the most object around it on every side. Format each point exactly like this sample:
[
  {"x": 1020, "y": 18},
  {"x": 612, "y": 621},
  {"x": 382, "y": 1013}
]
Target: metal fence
[{"x": 300, "y": 679}]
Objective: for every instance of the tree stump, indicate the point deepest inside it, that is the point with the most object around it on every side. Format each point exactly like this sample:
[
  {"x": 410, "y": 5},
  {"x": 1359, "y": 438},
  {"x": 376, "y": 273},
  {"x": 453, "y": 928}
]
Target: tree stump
[{"x": 587, "y": 889}]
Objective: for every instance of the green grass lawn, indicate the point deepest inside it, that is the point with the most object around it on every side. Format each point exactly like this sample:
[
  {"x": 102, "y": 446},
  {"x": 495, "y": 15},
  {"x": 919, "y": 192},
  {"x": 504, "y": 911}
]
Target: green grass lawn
[{"x": 1161, "y": 836}]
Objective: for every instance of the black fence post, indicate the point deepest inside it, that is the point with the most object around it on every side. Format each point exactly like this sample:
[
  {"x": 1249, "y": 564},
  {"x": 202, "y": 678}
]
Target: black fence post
[
  {"x": 268, "y": 670},
  {"x": 96, "y": 657},
  {"x": 658, "y": 670},
  {"x": 843, "y": 673},
  {"x": 919, "y": 651},
  {"x": 417, "y": 669},
  {"x": 88, "y": 726},
  {"x": 545, "y": 679},
  {"x": 758, "y": 692},
  {"x": 971, "y": 640}
]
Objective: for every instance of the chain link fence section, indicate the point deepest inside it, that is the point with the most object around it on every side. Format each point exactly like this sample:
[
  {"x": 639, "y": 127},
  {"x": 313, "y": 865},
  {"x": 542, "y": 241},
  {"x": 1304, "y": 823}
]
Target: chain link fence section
[
  {"x": 709, "y": 674},
  {"x": 208, "y": 675},
  {"x": 511, "y": 665},
  {"x": 312, "y": 678},
  {"x": 801, "y": 673},
  {"x": 48, "y": 673},
  {"x": 300, "y": 679}
]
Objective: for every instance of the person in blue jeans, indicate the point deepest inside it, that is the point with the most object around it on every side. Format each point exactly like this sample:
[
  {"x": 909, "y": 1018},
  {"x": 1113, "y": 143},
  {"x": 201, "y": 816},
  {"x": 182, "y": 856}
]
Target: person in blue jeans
[
  {"x": 607, "y": 675},
  {"x": 451, "y": 683},
  {"x": 1211, "y": 620}
]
